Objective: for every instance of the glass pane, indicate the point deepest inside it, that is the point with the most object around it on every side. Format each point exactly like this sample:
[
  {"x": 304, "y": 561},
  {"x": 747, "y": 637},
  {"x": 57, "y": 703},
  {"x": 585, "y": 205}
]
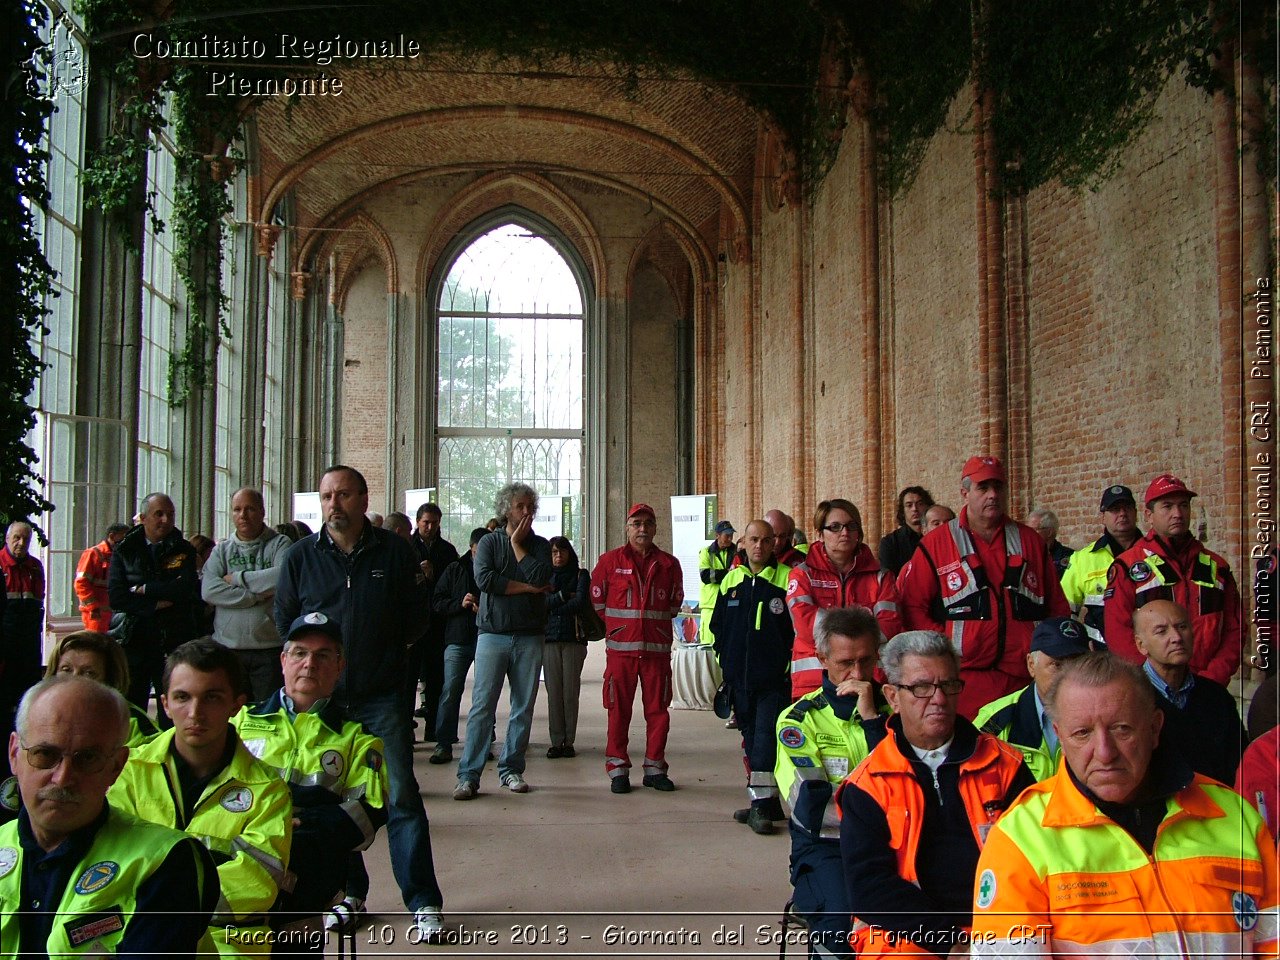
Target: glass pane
[{"x": 511, "y": 270}]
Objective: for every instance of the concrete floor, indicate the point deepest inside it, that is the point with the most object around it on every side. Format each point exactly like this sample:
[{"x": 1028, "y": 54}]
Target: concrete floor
[{"x": 571, "y": 870}]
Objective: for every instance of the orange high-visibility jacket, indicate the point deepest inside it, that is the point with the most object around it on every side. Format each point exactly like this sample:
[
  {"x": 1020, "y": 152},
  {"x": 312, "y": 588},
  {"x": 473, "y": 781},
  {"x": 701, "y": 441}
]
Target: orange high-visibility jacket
[{"x": 1057, "y": 878}]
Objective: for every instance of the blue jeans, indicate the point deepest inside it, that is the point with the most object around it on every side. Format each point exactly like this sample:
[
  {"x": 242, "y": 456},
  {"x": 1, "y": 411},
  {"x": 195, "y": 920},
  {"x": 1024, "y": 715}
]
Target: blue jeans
[
  {"x": 408, "y": 832},
  {"x": 457, "y": 661},
  {"x": 517, "y": 657}
]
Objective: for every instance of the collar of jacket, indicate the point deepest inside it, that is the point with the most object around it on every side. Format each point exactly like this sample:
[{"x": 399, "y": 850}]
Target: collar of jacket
[
  {"x": 331, "y": 715},
  {"x": 1072, "y": 804},
  {"x": 1111, "y": 545},
  {"x": 846, "y": 707},
  {"x": 864, "y": 561},
  {"x": 964, "y": 743},
  {"x": 325, "y": 542}
]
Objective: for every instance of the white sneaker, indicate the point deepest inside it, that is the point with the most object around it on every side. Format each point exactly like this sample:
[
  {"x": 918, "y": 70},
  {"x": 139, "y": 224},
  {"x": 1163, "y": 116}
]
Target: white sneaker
[
  {"x": 430, "y": 924},
  {"x": 345, "y": 914},
  {"x": 515, "y": 783},
  {"x": 465, "y": 790}
]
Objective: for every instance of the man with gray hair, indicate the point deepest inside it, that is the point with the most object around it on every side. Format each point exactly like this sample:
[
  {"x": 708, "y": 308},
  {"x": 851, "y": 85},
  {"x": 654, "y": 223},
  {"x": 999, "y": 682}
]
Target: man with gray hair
[
  {"x": 915, "y": 813},
  {"x": 1125, "y": 851},
  {"x": 239, "y": 582},
  {"x": 76, "y": 875},
  {"x": 513, "y": 572},
  {"x": 1045, "y": 522},
  {"x": 154, "y": 588},
  {"x": 22, "y": 617}
]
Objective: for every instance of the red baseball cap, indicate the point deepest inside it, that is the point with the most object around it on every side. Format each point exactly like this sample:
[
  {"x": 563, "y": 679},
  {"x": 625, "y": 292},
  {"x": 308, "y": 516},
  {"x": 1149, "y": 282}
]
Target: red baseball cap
[
  {"x": 1165, "y": 485},
  {"x": 640, "y": 508},
  {"x": 979, "y": 469}
]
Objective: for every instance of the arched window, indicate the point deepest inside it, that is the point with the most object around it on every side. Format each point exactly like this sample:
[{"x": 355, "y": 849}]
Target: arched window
[{"x": 510, "y": 378}]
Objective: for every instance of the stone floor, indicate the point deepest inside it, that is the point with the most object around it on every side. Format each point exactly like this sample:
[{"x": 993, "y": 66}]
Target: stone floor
[{"x": 571, "y": 870}]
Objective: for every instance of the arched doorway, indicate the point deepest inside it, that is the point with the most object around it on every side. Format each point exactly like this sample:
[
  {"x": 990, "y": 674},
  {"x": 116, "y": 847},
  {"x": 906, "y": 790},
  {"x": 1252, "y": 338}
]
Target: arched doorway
[{"x": 510, "y": 322}]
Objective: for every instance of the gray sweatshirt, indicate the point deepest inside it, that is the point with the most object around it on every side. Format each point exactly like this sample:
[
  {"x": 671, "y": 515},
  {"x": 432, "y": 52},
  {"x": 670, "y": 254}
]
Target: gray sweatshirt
[{"x": 242, "y": 609}]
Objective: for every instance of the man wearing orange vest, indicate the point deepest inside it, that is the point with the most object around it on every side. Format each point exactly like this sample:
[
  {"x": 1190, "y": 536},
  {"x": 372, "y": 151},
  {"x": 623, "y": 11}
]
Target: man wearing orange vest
[
  {"x": 91, "y": 580},
  {"x": 915, "y": 813},
  {"x": 638, "y": 589},
  {"x": 1168, "y": 563},
  {"x": 1125, "y": 851},
  {"x": 984, "y": 581}
]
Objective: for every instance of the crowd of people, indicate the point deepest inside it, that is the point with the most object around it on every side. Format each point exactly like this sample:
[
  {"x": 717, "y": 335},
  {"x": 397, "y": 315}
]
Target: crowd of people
[
  {"x": 975, "y": 725},
  {"x": 992, "y": 745}
]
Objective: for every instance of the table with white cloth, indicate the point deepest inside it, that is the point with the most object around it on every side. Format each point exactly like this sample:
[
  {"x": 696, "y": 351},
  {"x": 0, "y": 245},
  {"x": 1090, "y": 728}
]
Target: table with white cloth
[{"x": 695, "y": 676}]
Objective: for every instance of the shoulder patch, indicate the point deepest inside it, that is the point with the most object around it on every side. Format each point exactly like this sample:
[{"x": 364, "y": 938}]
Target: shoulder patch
[
  {"x": 10, "y": 799},
  {"x": 1140, "y": 572},
  {"x": 373, "y": 760},
  {"x": 803, "y": 761},
  {"x": 792, "y": 737},
  {"x": 986, "y": 888},
  {"x": 8, "y": 860},
  {"x": 1113, "y": 571}
]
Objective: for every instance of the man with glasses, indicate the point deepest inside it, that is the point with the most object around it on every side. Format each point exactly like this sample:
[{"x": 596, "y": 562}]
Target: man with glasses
[
  {"x": 334, "y": 769},
  {"x": 916, "y": 812},
  {"x": 984, "y": 581},
  {"x": 638, "y": 589},
  {"x": 73, "y": 869}
]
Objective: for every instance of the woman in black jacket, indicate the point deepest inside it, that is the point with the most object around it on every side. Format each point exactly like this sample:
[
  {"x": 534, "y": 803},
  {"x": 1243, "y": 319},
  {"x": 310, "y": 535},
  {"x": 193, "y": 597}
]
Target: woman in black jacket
[
  {"x": 456, "y": 601},
  {"x": 565, "y": 649}
]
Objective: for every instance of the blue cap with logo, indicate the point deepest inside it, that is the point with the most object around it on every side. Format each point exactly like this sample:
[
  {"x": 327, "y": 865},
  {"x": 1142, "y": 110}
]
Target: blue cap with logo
[
  {"x": 1062, "y": 637},
  {"x": 724, "y": 526},
  {"x": 315, "y": 623},
  {"x": 1116, "y": 494}
]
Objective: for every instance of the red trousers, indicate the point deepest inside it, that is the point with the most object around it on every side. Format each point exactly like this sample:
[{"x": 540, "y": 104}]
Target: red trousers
[{"x": 620, "y": 676}]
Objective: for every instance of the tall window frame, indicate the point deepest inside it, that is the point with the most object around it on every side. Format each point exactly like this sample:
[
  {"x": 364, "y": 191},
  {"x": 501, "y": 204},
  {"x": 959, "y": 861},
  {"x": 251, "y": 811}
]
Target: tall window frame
[{"x": 500, "y": 449}]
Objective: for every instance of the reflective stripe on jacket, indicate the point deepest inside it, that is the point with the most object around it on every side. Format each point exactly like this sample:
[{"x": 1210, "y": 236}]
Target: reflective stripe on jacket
[
  {"x": 244, "y": 817},
  {"x": 1206, "y": 589},
  {"x": 91, "y": 587},
  {"x": 637, "y": 610},
  {"x": 816, "y": 585},
  {"x": 1054, "y": 863}
]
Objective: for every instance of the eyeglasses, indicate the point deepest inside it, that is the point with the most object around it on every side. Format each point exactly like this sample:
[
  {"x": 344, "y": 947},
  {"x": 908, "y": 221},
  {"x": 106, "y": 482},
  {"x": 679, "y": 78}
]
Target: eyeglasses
[
  {"x": 299, "y": 654},
  {"x": 44, "y": 757},
  {"x": 925, "y": 690},
  {"x": 837, "y": 527}
]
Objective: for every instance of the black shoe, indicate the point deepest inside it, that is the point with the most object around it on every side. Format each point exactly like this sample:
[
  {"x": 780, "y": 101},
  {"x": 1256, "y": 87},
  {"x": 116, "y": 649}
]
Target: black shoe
[
  {"x": 555, "y": 753},
  {"x": 773, "y": 810},
  {"x": 743, "y": 815},
  {"x": 758, "y": 820},
  {"x": 568, "y": 752},
  {"x": 423, "y": 712},
  {"x": 441, "y": 755},
  {"x": 659, "y": 781},
  {"x": 620, "y": 784}
]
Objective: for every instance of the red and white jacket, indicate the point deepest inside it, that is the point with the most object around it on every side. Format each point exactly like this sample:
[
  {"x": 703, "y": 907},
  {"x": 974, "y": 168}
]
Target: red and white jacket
[
  {"x": 815, "y": 585},
  {"x": 91, "y": 587},
  {"x": 637, "y": 597},
  {"x": 986, "y": 598}
]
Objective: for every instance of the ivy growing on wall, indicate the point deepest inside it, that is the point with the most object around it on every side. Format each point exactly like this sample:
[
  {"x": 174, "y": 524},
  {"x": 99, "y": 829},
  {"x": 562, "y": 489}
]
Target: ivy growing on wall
[{"x": 26, "y": 280}]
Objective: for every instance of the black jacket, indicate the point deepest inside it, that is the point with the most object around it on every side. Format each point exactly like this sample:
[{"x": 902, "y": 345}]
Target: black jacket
[
  {"x": 495, "y": 567},
  {"x": 897, "y": 548},
  {"x": 1207, "y": 732},
  {"x": 167, "y": 573},
  {"x": 459, "y": 623},
  {"x": 370, "y": 592},
  {"x": 572, "y": 594}
]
